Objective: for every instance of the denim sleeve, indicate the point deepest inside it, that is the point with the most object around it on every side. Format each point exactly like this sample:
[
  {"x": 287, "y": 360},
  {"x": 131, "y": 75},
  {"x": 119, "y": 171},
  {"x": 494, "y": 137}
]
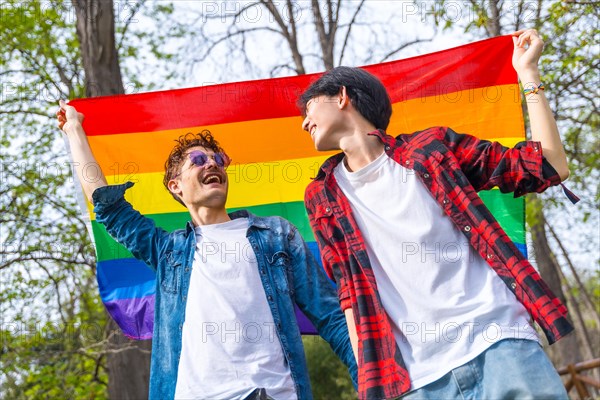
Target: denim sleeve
[
  {"x": 317, "y": 298},
  {"x": 127, "y": 226}
]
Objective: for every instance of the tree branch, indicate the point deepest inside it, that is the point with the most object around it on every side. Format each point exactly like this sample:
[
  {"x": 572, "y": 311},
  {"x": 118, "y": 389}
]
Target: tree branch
[
  {"x": 347, "y": 36},
  {"x": 405, "y": 46},
  {"x": 586, "y": 296},
  {"x": 137, "y": 6}
]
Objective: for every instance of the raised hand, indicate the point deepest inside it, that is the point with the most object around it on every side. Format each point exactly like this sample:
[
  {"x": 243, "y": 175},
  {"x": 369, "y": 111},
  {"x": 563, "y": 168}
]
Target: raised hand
[
  {"x": 68, "y": 116},
  {"x": 527, "y": 51},
  {"x": 69, "y": 120}
]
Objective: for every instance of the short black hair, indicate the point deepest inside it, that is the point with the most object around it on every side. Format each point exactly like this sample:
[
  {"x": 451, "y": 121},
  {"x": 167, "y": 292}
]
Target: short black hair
[{"x": 366, "y": 92}]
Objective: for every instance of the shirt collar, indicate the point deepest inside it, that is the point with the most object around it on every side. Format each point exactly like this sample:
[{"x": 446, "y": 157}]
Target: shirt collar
[
  {"x": 253, "y": 220},
  {"x": 189, "y": 227}
]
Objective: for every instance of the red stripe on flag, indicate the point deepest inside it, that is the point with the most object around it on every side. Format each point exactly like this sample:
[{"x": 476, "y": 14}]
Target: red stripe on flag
[{"x": 429, "y": 75}]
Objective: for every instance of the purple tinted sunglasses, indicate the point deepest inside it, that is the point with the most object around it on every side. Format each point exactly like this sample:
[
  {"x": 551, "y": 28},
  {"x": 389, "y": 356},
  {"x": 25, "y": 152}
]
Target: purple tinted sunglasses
[{"x": 199, "y": 159}]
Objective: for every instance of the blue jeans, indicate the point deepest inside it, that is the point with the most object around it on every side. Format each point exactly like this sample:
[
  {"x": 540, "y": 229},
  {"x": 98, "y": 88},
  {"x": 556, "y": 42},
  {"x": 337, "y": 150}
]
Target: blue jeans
[{"x": 509, "y": 369}]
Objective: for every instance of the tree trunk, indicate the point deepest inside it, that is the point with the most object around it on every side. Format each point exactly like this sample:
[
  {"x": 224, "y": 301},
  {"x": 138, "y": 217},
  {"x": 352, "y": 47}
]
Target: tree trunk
[
  {"x": 566, "y": 351},
  {"x": 326, "y": 37},
  {"x": 128, "y": 365},
  {"x": 584, "y": 293},
  {"x": 96, "y": 32},
  {"x": 128, "y": 362},
  {"x": 493, "y": 26},
  {"x": 290, "y": 34}
]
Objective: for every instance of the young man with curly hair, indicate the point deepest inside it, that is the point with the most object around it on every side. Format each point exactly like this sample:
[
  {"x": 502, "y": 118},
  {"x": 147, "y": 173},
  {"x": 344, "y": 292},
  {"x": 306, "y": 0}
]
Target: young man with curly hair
[
  {"x": 438, "y": 298},
  {"x": 226, "y": 284}
]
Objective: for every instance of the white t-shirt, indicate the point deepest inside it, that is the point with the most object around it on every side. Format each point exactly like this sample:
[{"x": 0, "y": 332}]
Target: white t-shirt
[
  {"x": 445, "y": 304},
  {"x": 229, "y": 344}
]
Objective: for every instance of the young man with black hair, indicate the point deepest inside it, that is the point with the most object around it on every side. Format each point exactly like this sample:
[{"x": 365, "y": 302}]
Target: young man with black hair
[
  {"x": 420, "y": 322},
  {"x": 226, "y": 285}
]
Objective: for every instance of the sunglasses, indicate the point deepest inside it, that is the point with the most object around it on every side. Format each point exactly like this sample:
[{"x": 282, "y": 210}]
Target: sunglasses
[{"x": 200, "y": 159}]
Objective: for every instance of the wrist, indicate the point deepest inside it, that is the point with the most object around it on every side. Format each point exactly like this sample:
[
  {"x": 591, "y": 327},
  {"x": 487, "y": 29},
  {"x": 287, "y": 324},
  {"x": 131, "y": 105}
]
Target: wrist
[
  {"x": 529, "y": 77},
  {"x": 73, "y": 127}
]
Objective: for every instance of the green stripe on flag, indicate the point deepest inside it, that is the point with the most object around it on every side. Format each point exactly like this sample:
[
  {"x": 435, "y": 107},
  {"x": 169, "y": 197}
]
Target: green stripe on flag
[
  {"x": 109, "y": 249},
  {"x": 507, "y": 210}
]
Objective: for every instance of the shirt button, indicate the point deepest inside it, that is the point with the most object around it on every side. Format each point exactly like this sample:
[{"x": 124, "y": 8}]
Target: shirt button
[
  {"x": 467, "y": 228},
  {"x": 328, "y": 209},
  {"x": 269, "y": 297},
  {"x": 407, "y": 162},
  {"x": 425, "y": 175},
  {"x": 184, "y": 298},
  {"x": 262, "y": 271},
  {"x": 490, "y": 256},
  {"x": 445, "y": 201},
  {"x": 513, "y": 285},
  {"x": 187, "y": 269},
  {"x": 387, "y": 148}
]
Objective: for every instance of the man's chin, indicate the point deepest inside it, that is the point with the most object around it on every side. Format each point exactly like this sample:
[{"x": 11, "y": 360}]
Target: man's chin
[
  {"x": 214, "y": 197},
  {"x": 319, "y": 146},
  {"x": 214, "y": 202},
  {"x": 218, "y": 196}
]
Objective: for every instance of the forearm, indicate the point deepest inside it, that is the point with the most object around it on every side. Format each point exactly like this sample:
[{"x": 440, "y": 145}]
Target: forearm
[
  {"x": 87, "y": 168},
  {"x": 543, "y": 125},
  {"x": 349, "y": 314}
]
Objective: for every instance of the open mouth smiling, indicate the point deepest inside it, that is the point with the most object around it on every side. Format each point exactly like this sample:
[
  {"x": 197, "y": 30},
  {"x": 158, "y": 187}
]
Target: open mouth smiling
[{"x": 212, "y": 177}]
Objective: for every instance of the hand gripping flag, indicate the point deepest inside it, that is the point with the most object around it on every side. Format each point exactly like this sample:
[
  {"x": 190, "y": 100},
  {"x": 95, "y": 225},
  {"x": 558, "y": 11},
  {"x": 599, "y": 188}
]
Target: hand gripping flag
[{"x": 472, "y": 89}]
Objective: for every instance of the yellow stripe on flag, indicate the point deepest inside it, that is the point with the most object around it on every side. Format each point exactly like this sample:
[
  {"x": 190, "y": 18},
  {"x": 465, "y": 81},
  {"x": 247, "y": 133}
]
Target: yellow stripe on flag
[{"x": 249, "y": 185}]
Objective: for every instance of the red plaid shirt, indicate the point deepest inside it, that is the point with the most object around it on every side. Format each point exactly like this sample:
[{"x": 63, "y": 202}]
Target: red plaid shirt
[{"x": 453, "y": 167}]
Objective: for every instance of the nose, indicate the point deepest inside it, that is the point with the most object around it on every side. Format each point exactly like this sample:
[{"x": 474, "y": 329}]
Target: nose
[
  {"x": 305, "y": 124},
  {"x": 211, "y": 163}
]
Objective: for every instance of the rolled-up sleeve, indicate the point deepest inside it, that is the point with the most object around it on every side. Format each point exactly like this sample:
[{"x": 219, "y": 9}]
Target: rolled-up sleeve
[
  {"x": 521, "y": 169},
  {"x": 105, "y": 196},
  {"x": 127, "y": 226}
]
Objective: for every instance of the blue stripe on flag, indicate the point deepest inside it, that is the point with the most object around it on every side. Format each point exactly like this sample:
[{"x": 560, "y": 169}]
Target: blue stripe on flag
[
  {"x": 125, "y": 278},
  {"x": 522, "y": 248}
]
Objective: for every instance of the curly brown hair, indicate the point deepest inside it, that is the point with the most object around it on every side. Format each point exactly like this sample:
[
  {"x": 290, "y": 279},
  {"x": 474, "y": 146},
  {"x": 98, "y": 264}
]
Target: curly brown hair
[{"x": 178, "y": 154}]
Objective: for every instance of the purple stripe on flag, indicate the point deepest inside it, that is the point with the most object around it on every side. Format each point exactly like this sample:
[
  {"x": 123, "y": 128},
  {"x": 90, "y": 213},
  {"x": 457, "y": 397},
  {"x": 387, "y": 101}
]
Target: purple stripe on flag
[
  {"x": 306, "y": 327},
  {"x": 134, "y": 316}
]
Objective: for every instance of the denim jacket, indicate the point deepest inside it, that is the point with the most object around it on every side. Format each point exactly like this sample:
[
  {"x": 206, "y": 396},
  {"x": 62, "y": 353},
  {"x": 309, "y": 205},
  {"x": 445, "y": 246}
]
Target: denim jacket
[{"x": 289, "y": 274}]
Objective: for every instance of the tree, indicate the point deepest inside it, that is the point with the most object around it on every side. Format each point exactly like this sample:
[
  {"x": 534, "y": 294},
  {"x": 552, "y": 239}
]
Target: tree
[
  {"x": 265, "y": 38},
  {"x": 52, "y": 321},
  {"x": 96, "y": 33},
  {"x": 328, "y": 375},
  {"x": 56, "y": 338}
]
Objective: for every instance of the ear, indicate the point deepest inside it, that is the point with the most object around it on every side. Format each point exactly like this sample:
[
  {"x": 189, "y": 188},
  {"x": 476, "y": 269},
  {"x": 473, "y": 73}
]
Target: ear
[
  {"x": 174, "y": 187},
  {"x": 343, "y": 99}
]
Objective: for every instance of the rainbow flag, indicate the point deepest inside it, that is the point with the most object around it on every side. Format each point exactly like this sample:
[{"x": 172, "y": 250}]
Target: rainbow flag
[{"x": 471, "y": 88}]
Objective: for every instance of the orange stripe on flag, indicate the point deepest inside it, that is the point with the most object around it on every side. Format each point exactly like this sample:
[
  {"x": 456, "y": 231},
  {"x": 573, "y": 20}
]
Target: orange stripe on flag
[{"x": 488, "y": 113}]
